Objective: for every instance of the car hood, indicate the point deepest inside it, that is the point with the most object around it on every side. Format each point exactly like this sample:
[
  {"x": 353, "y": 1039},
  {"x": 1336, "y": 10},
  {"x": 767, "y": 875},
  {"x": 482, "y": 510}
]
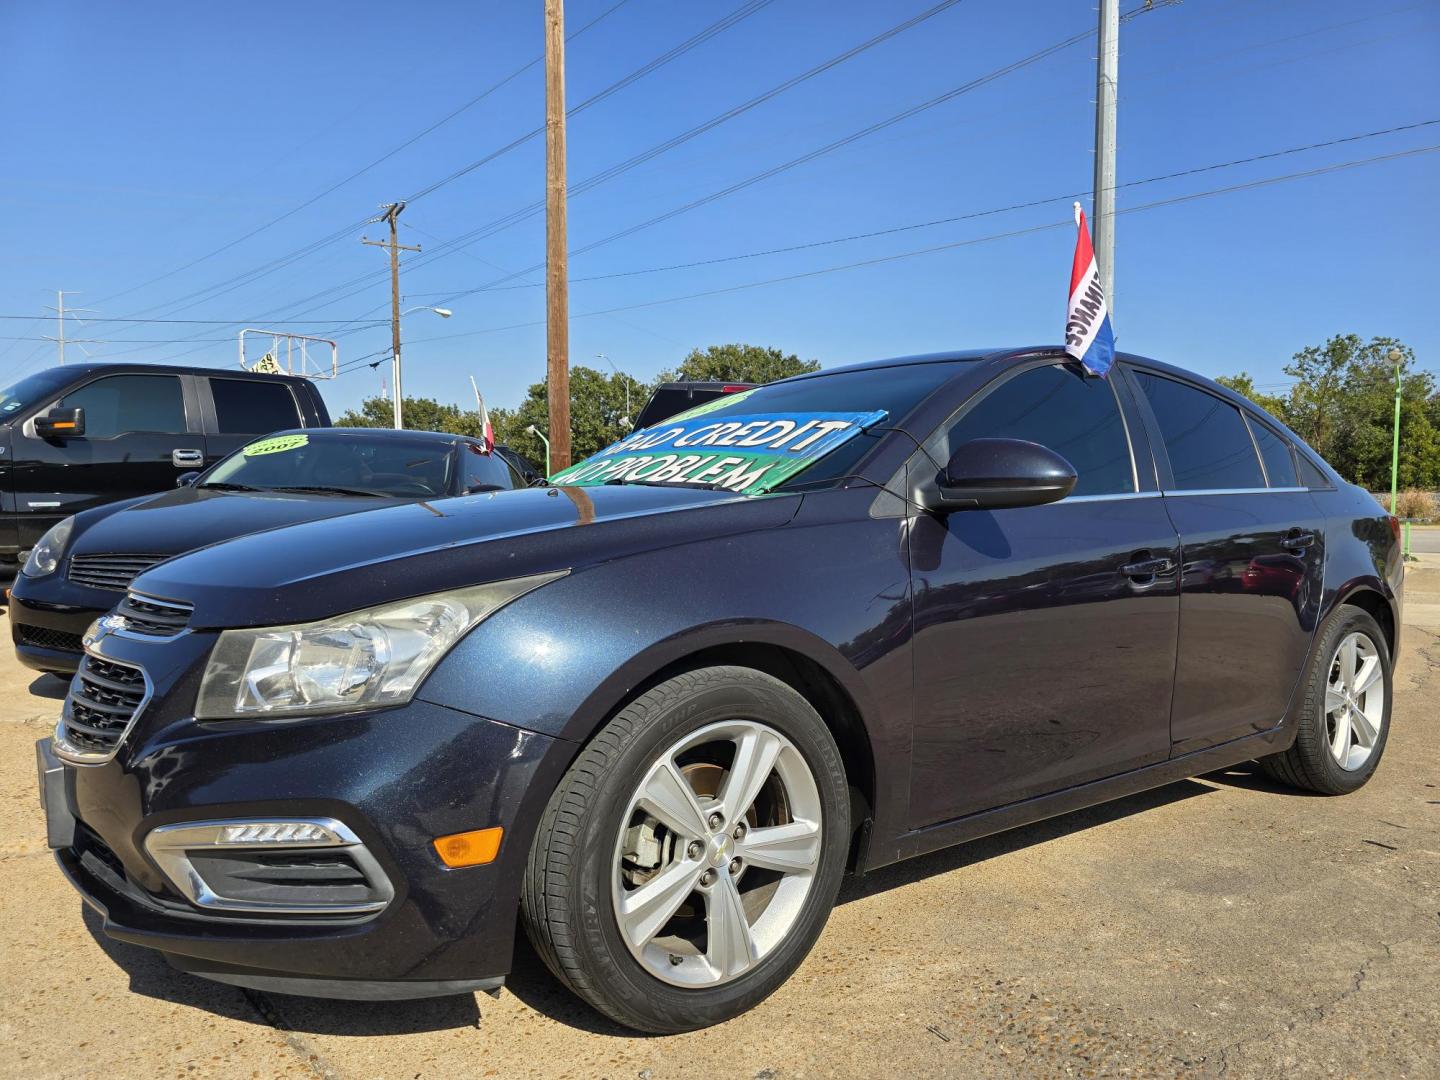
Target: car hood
[
  {"x": 190, "y": 517},
  {"x": 321, "y": 568}
]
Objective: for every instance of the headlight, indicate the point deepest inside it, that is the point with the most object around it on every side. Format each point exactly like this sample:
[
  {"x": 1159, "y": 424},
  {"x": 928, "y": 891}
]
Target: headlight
[
  {"x": 45, "y": 556},
  {"x": 366, "y": 659}
]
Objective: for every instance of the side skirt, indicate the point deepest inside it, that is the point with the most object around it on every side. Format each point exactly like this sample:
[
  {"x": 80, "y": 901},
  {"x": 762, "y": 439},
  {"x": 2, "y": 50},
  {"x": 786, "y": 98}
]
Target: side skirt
[{"x": 987, "y": 822}]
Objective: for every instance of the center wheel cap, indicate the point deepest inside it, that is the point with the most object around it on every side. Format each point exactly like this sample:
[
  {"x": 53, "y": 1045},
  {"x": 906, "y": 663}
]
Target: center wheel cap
[{"x": 720, "y": 849}]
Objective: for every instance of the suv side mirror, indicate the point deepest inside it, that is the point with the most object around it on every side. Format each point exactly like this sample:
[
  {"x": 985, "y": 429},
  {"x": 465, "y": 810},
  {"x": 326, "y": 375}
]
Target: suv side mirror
[
  {"x": 995, "y": 474},
  {"x": 61, "y": 424},
  {"x": 185, "y": 479}
]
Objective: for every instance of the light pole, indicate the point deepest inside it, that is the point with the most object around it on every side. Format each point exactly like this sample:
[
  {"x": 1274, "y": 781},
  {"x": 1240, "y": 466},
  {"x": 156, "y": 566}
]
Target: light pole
[
  {"x": 1396, "y": 357},
  {"x": 398, "y": 398},
  {"x": 533, "y": 430},
  {"x": 626, "y": 418}
]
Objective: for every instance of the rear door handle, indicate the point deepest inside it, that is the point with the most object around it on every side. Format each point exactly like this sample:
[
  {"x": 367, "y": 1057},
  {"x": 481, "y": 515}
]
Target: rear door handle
[
  {"x": 1295, "y": 540},
  {"x": 187, "y": 459},
  {"x": 1145, "y": 568}
]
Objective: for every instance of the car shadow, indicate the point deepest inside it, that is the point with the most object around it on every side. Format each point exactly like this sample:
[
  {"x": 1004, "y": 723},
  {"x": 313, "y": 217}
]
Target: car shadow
[
  {"x": 1250, "y": 777},
  {"x": 1012, "y": 840},
  {"x": 529, "y": 979},
  {"x": 53, "y": 687}
]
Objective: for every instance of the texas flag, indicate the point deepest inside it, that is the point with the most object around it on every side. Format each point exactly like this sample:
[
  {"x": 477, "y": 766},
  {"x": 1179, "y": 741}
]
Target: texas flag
[{"x": 1088, "y": 336}]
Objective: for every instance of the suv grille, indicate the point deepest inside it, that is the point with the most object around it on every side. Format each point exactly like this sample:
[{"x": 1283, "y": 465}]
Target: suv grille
[
  {"x": 104, "y": 698},
  {"x": 114, "y": 572},
  {"x": 42, "y": 637},
  {"x": 153, "y": 618}
]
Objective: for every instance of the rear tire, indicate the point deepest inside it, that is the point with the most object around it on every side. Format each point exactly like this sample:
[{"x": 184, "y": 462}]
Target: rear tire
[
  {"x": 1344, "y": 716},
  {"x": 669, "y": 911}
]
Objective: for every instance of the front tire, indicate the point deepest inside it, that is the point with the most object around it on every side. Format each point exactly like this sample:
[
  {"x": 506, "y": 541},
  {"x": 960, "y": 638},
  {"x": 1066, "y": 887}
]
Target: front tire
[
  {"x": 1345, "y": 714},
  {"x": 688, "y": 860}
]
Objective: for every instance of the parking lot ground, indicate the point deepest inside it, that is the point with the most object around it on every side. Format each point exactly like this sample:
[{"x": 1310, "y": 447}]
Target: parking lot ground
[{"x": 1218, "y": 926}]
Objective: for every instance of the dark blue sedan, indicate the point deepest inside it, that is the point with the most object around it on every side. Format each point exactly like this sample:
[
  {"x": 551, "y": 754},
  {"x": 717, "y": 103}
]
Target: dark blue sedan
[{"x": 660, "y": 708}]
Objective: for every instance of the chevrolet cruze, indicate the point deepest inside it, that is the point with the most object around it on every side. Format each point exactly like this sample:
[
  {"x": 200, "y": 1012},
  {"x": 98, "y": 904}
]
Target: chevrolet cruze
[{"x": 659, "y": 709}]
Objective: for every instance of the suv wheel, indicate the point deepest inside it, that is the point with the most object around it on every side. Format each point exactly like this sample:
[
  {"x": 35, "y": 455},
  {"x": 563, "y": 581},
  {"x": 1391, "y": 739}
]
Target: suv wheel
[
  {"x": 688, "y": 860},
  {"x": 1345, "y": 716}
]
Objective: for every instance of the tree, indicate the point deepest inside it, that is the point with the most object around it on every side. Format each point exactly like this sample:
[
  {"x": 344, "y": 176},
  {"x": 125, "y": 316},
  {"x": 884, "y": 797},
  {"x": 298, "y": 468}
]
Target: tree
[
  {"x": 1244, "y": 385},
  {"x": 420, "y": 414},
  {"x": 597, "y": 414},
  {"x": 741, "y": 363}
]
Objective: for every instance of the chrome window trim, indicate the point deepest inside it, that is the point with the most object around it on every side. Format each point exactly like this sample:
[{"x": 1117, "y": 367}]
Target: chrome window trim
[
  {"x": 1113, "y": 497},
  {"x": 167, "y": 846},
  {"x": 1233, "y": 491},
  {"x": 68, "y": 752}
]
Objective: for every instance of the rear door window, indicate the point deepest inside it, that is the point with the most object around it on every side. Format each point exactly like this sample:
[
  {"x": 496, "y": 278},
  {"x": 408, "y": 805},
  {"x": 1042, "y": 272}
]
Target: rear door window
[
  {"x": 250, "y": 407},
  {"x": 1060, "y": 408},
  {"x": 118, "y": 404},
  {"x": 1205, "y": 436},
  {"x": 1275, "y": 452}
]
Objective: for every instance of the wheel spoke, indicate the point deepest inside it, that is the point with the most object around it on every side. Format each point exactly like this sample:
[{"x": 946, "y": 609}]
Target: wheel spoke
[
  {"x": 669, "y": 796},
  {"x": 646, "y": 910},
  {"x": 1368, "y": 675},
  {"x": 1340, "y": 741},
  {"x": 1334, "y": 700},
  {"x": 788, "y": 848},
  {"x": 755, "y": 754},
  {"x": 729, "y": 947},
  {"x": 1364, "y": 730},
  {"x": 1348, "y": 663}
]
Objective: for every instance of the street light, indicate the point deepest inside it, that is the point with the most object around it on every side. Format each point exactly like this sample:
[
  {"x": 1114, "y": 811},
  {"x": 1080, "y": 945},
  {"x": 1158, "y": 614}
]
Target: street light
[
  {"x": 1396, "y": 357},
  {"x": 533, "y": 430},
  {"x": 444, "y": 313},
  {"x": 626, "y": 418}
]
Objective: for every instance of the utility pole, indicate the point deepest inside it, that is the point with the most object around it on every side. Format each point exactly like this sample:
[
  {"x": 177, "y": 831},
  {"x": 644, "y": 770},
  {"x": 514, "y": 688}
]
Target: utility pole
[
  {"x": 557, "y": 286},
  {"x": 60, "y": 339},
  {"x": 392, "y": 212},
  {"x": 60, "y": 317},
  {"x": 1107, "y": 77}
]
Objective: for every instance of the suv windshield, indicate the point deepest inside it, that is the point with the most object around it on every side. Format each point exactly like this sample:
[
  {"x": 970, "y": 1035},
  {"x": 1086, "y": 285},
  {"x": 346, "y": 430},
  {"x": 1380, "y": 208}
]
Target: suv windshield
[
  {"x": 807, "y": 429},
  {"x": 32, "y": 390},
  {"x": 344, "y": 464}
]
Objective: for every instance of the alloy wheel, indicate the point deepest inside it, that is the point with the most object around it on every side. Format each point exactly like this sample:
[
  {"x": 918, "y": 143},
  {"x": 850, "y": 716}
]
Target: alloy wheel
[
  {"x": 1354, "y": 701},
  {"x": 717, "y": 851}
]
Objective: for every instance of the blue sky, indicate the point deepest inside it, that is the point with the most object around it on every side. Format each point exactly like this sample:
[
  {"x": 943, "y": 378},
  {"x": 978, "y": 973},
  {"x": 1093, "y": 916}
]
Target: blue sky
[{"x": 141, "y": 138}]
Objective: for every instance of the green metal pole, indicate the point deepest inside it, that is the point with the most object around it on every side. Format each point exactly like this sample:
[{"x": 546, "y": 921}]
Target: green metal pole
[
  {"x": 1395, "y": 449},
  {"x": 1405, "y": 548}
]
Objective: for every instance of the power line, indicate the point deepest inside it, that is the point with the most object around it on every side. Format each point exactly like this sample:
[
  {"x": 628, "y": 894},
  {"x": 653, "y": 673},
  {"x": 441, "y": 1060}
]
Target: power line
[{"x": 1067, "y": 222}]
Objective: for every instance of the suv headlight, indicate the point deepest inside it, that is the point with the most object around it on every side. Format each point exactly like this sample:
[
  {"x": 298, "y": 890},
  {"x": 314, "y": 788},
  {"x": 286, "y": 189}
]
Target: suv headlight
[
  {"x": 45, "y": 556},
  {"x": 366, "y": 659}
]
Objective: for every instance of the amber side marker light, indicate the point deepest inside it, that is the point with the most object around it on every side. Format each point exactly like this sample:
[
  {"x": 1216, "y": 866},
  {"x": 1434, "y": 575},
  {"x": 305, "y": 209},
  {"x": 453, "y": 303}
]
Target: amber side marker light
[{"x": 474, "y": 848}]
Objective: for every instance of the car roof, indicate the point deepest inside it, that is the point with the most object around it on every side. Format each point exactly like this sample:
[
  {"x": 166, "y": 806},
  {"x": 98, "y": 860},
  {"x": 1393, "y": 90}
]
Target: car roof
[
  {"x": 120, "y": 366},
  {"x": 377, "y": 434}
]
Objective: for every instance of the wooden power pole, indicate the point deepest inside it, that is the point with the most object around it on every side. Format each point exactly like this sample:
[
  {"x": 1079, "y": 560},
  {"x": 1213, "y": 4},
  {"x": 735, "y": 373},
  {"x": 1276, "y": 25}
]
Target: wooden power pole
[
  {"x": 557, "y": 280},
  {"x": 392, "y": 212}
]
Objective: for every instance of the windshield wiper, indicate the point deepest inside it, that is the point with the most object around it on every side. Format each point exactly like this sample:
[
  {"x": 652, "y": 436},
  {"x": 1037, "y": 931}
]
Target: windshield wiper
[
  {"x": 323, "y": 489},
  {"x": 223, "y": 486}
]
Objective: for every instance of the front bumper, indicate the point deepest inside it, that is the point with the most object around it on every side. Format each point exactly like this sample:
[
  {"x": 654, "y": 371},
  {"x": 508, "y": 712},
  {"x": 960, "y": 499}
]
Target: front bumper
[
  {"x": 49, "y": 617},
  {"x": 396, "y": 780}
]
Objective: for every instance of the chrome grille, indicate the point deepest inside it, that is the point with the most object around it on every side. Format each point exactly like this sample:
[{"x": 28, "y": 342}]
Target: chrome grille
[
  {"x": 104, "y": 699},
  {"x": 153, "y": 617},
  {"x": 114, "y": 572}
]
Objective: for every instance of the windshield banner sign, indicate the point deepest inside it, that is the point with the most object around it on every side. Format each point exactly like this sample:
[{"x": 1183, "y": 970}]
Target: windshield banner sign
[{"x": 749, "y": 453}]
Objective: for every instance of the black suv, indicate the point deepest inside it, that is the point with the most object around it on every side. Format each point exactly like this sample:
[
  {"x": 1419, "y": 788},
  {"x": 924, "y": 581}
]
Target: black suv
[{"x": 83, "y": 435}]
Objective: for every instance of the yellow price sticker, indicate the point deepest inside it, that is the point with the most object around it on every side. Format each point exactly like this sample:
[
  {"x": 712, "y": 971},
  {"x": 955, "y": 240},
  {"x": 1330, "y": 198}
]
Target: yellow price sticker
[{"x": 277, "y": 445}]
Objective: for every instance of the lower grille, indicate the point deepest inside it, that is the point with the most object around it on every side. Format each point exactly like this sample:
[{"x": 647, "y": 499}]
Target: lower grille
[
  {"x": 42, "y": 637},
  {"x": 113, "y": 572},
  {"x": 104, "y": 699},
  {"x": 153, "y": 617}
]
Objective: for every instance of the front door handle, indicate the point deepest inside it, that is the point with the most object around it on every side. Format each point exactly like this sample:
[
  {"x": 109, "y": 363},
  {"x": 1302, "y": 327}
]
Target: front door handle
[
  {"x": 187, "y": 459},
  {"x": 1295, "y": 540},
  {"x": 1147, "y": 568}
]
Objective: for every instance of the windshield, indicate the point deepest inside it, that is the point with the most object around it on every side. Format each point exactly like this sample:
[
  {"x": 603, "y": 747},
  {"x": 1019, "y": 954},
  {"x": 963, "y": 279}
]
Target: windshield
[
  {"x": 347, "y": 464},
  {"x": 815, "y": 428},
  {"x": 33, "y": 390}
]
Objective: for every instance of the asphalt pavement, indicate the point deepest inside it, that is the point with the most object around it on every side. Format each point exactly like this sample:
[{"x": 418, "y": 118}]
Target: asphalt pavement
[{"x": 1217, "y": 926}]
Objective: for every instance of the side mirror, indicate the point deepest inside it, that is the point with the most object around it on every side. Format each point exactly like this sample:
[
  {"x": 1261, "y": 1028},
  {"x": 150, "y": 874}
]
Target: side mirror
[
  {"x": 996, "y": 474},
  {"x": 61, "y": 424},
  {"x": 185, "y": 479}
]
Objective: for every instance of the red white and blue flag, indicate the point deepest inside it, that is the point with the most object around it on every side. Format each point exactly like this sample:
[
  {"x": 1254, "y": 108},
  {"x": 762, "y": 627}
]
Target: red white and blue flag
[{"x": 1088, "y": 335}]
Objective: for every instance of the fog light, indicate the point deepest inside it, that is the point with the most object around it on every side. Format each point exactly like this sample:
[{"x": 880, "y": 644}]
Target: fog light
[{"x": 474, "y": 848}]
